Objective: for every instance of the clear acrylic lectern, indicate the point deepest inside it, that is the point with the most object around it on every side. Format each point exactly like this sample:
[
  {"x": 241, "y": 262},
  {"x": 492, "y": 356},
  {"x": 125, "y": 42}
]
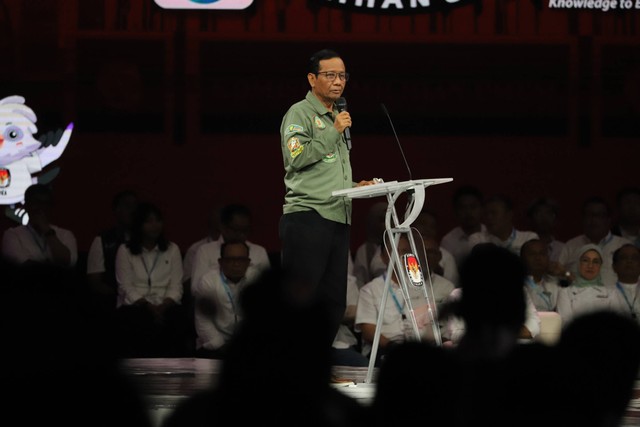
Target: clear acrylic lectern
[{"x": 415, "y": 190}]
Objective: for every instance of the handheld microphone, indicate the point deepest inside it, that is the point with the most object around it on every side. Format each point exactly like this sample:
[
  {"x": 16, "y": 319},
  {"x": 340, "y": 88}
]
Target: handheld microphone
[
  {"x": 341, "y": 103},
  {"x": 397, "y": 139}
]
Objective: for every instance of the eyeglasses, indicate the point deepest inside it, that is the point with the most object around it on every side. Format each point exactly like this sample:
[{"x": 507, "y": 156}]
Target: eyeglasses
[
  {"x": 594, "y": 261},
  {"x": 331, "y": 76}
]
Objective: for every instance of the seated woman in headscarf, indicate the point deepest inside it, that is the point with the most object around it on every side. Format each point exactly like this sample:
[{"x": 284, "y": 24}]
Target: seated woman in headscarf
[{"x": 587, "y": 292}]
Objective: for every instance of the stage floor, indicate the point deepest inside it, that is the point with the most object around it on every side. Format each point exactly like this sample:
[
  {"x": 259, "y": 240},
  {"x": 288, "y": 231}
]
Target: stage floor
[{"x": 166, "y": 382}]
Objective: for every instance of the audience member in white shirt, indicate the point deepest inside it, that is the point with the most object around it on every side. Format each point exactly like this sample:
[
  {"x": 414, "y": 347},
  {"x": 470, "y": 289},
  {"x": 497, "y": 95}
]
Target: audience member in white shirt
[
  {"x": 400, "y": 311},
  {"x": 628, "y": 221},
  {"x": 626, "y": 264},
  {"x": 39, "y": 241},
  {"x": 543, "y": 215},
  {"x": 235, "y": 226},
  {"x": 217, "y": 308},
  {"x": 150, "y": 318},
  {"x": 542, "y": 287},
  {"x": 587, "y": 292},
  {"x": 498, "y": 213},
  {"x": 427, "y": 225},
  {"x": 213, "y": 234},
  {"x": 596, "y": 225},
  {"x": 490, "y": 311},
  {"x": 367, "y": 263},
  {"x": 468, "y": 210}
]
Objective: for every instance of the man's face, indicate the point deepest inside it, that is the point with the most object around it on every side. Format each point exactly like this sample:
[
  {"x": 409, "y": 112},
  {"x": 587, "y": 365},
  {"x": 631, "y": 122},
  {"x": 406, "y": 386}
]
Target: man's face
[
  {"x": 627, "y": 265},
  {"x": 629, "y": 209},
  {"x": 237, "y": 230},
  {"x": 404, "y": 247},
  {"x": 543, "y": 219},
  {"x": 497, "y": 217},
  {"x": 468, "y": 210},
  {"x": 434, "y": 255},
  {"x": 426, "y": 225},
  {"x": 234, "y": 261},
  {"x": 596, "y": 221},
  {"x": 326, "y": 90},
  {"x": 536, "y": 257}
]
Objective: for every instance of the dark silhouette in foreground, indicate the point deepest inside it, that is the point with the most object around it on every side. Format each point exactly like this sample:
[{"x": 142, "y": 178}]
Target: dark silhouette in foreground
[{"x": 277, "y": 367}]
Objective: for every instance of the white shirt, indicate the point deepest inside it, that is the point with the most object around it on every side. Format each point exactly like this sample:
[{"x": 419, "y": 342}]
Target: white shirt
[
  {"x": 365, "y": 269},
  {"x": 555, "y": 249},
  {"x": 214, "y": 332},
  {"x": 207, "y": 255},
  {"x": 95, "y": 257},
  {"x": 633, "y": 238},
  {"x": 369, "y": 303},
  {"x": 574, "y": 301},
  {"x": 543, "y": 294},
  {"x": 627, "y": 299},
  {"x": 23, "y": 243},
  {"x": 513, "y": 243},
  {"x": 442, "y": 288},
  {"x": 189, "y": 257},
  {"x": 455, "y": 327},
  {"x": 152, "y": 275},
  {"x": 449, "y": 266},
  {"x": 394, "y": 327},
  {"x": 456, "y": 242},
  {"x": 569, "y": 255}
]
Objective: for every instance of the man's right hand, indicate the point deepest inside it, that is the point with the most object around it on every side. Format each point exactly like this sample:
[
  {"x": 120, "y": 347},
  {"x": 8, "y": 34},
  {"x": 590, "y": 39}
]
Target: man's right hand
[{"x": 342, "y": 121}]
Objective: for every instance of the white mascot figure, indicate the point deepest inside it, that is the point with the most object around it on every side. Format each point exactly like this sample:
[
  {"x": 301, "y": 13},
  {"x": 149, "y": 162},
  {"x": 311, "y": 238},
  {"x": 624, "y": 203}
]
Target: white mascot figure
[{"x": 22, "y": 156}]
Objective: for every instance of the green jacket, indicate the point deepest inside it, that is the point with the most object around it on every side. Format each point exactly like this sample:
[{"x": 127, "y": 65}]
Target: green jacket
[{"x": 316, "y": 161}]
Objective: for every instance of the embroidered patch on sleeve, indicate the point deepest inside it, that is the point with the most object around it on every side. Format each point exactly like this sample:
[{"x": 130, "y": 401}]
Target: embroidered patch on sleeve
[
  {"x": 293, "y": 129},
  {"x": 295, "y": 148}
]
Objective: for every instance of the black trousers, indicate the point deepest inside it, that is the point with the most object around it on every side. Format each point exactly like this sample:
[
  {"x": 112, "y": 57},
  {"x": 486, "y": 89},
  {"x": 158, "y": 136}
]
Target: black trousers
[{"x": 315, "y": 255}]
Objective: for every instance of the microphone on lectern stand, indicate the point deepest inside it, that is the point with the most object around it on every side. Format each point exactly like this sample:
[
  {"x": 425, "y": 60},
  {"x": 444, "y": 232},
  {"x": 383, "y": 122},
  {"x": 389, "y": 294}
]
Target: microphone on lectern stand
[
  {"x": 397, "y": 139},
  {"x": 341, "y": 103}
]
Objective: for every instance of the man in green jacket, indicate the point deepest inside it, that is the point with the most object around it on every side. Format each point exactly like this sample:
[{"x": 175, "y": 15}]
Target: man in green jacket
[{"x": 314, "y": 227}]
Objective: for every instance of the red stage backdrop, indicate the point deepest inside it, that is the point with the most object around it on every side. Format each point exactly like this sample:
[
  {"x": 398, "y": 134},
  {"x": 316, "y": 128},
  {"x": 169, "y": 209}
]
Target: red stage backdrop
[{"x": 528, "y": 98}]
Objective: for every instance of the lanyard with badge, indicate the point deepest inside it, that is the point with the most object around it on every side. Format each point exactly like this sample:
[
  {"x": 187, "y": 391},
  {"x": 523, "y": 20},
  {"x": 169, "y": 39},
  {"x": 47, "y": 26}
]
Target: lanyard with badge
[
  {"x": 630, "y": 304},
  {"x": 227, "y": 289},
  {"x": 153, "y": 266},
  {"x": 539, "y": 290},
  {"x": 406, "y": 325}
]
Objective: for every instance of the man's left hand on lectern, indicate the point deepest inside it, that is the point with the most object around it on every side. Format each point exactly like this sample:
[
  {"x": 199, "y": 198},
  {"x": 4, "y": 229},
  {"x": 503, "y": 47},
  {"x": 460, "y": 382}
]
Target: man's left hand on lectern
[{"x": 371, "y": 182}]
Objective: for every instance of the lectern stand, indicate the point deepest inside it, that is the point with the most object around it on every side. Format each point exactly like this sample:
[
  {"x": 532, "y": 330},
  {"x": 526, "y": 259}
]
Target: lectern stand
[{"x": 415, "y": 189}]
